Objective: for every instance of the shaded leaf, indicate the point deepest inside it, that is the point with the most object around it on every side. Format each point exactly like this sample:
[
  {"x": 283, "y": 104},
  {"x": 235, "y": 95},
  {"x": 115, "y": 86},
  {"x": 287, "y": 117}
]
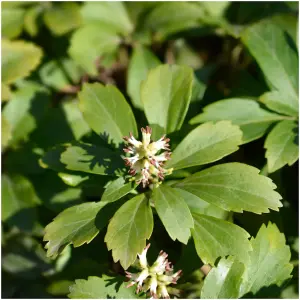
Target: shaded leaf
[
  {"x": 253, "y": 120},
  {"x": 26, "y": 107},
  {"x": 92, "y": 159},
  {"x": 116, "y": 189},
  {"x": 217, "y": 238},
  {"x": 173, "y": 212},
  {"x": 104, "y": 287},
  {"x": 166, "y": 95},
  {"x": 223, "y": 282},
  {"x": 111, "y": 15},
  {"x": 19, "y": 202},
  {"x": 278, "y": 61},
  {"x": 75, "y": 225},
  {"x": 128, "y": 230},
  {"x": 90, "y": 42},
  {"x": 18, "y": 59},
  {"x": 62, "y": 17},
  {"x": 106, "y": 111},
  {"x": 11, "y": 22},
  {"x": 142, "y": 60},
  {"x": 282, "y": 145},
  {"x": 206, "y": 143},
  {"x": 234, "y": 186},
  {"x": 269, "y": 260},
  {"x": 31, "y": 24}
]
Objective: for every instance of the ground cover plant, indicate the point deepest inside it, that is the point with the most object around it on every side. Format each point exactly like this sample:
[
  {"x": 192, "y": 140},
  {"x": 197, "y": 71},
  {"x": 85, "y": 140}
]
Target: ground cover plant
[{"x": 149, "y": 150}]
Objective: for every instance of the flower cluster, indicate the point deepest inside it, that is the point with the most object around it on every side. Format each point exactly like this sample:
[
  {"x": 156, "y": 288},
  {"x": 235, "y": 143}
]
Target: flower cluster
[
  {"x": 145, "y": 161},
  {"x": 156, "y": 278}
]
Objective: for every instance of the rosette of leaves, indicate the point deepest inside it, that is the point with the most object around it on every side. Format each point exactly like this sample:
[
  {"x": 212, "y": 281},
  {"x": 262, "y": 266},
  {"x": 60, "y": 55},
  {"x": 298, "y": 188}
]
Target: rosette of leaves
[
  {"x": 275, "y": 113},
  {"x": 192, "y": 203}
]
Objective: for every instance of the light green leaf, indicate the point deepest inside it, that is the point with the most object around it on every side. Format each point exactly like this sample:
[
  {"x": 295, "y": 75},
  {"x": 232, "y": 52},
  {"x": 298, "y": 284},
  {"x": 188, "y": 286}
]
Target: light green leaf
[
  {"x": 5, "y": 92},
  {"x": 206, "y": 143},
  {"x": 11, "y": 22},
  {"x": 18, "y": 59},
  {"x": 92, "y": 159},
  {"x": 269, "y": 260},
  {"x": 112, "y": 15},
  {"x": 75, "y": 225},
  {"x": 234, "y": 186},
  {"x": 5, "y": 133},
  {"x": 173, "y": 212},
  {"x": 128, "y": 230},
  {"x": 166, "y": 95},
  {"x": 25, "y": 108},
  {"x": 197, "y": 205},
  {"x": 19, "y": 202},
  {"x": 62, "y": 17},
  {"x": 282, "y": 145},
  {"x": 75, "y": 119},
  {"x": 116, "y": 189},
  {"x": 179, "y": 16},
  {"x": 141, "y": 62},
  {"x": 214, "y": 238},
  {"x": 281, "y": 103},
  {"x": 59, "y": 74},
  {"x": 223, "y": 282},
  {"x": 90, "y": 42},
  {"x": 104, "y": 287},
  {"x": 32, "y": 14},
  {"x": 106, "y": 111},
  {"x": 215, "y": 9},
  {"x": 278, "y": 61},
  {"x": 71, "y": 179},
  {"x": 253, "y": 120}
]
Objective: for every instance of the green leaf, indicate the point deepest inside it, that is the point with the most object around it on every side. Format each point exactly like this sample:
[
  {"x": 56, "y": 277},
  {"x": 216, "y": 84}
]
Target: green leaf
[
  {"x": 90, "y": 42},
  {"x": 166, "y": 95},
  {"x": 92, "y": 159},
  {"x": 111, "y": 15},
  {"x": 5, "y": 133},
  {"x": 106, "y": 111},
  {"x": 197, "y": 205},
  {"x": 104, "y": 287},
  {"x": 214, "y": 238},
  {"x": 235, "y": 187},
  {"x": 75, "y": 225},
  {"x": 116, "y": 189},
  {"x": 142, "y": 60},
  {"x": 31, "y": 22},
  {"x": 128, "y": 230},
  {"x": 25, "y": 108},
  {"x": 59, "y": 74},
  {"x": 5, "y": 92},
  {"x": 278, "y": 61},
  {"x": 19, "y": 202},
  {"x": 180, "y": 16},
  {"x": 269, "y": 260},
  {"x": 279, "y": 102},
  {"x": 206, "y": 143},
  {"x": 253, "y": 120},
  {"x": 62, "y": 17},
  {"x": 11, "y": 22},
  {"x": 223, "y": 282},
  {"x": 18, "y": 59},
  {"x": 75, "y": 120},
  {"x": 173, "y": 212},
  {"x": 282, "y": 145}
]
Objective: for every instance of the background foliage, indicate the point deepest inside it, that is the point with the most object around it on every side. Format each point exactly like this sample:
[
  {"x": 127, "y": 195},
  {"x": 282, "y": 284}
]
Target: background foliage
[{"x": 78, "y": 76}]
